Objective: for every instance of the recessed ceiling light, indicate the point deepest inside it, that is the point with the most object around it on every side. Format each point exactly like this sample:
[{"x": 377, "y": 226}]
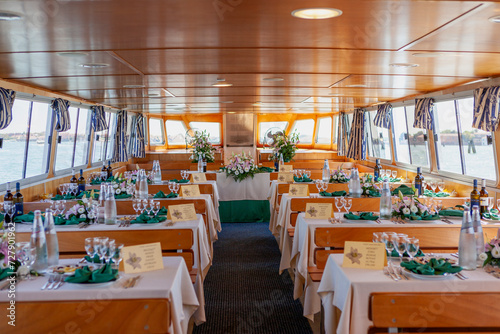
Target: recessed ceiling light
[
  {"x": 316, "y": 13},
  {"x": 428, "y": 54},
  {"x": 4, "y": 16},
  {"x": 273, "y": 79},
  {"x": 94, "y": 65},
  {"x": 221, "y": 83},
  {"x": 403, "y": 65},
  {"x": 231, "y": 112},
  {"x": 72, "y": 54},
  {"x": 133, "y": 86},
  {"x": 152, "y": 94},
  {"x": 494, "y": 19},
  {"x": 357, "y": 86},
  {"x": 226, "y": 101},
  {"x": 335, "y": 94}
]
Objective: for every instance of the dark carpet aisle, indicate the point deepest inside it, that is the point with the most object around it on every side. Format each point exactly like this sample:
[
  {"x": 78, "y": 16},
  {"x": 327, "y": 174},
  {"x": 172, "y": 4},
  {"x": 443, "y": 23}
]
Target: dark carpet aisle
[{"x": 243, "y": 291}]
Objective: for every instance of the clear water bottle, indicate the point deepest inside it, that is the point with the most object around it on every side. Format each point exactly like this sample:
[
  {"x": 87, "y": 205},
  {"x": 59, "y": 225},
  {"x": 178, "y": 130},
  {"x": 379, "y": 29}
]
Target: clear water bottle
[
  {"x": 157, "y": 171},
  {"x": 51, "y": 237},
  {"x": 354, "y": 184},
  {"x": 282, "y": 161},
  {"x": 109, "y": 206},
  {"x": 326, "y": 172},
  {"x": 200, "y": 164},
  {"x": 385, "y": 202},
  {"x": 467, "y": 253},
  {"x": 478, "y": 233},
  {"x": 39, "y": 242},
  {"x": 142, "y": 192}
]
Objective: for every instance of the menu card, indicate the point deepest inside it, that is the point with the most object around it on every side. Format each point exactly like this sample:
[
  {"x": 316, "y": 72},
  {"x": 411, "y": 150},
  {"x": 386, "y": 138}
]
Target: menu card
[
  {"x": 367, "y": 255},
  {"x": 285, "y": 177},
  {"x": 181, "y": 212},
  {"x": 198, "y": 177},
  {"x": 298, "y": 190},
  {"x": 142, "y": 258},
  {"x": 286, "y": 168},
  {"x": 319, "y": 210},
  {"x": 192, "y": 190}
]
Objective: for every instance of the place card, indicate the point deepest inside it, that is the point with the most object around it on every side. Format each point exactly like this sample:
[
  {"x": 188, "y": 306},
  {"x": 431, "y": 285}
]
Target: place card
[
  {"x": 319, "y": 210},
  {"x": 192, "y": 190},
  {"x": 298, "y": 190},
  {"x": 286, "y": 168},
  {"x": 198, "y": 177},
  {"x": 366, "y": 255},
  {"x": 142, "y": 258},
  {"x": 285, "y": 177},
  {"x": 181, "y": 212}
]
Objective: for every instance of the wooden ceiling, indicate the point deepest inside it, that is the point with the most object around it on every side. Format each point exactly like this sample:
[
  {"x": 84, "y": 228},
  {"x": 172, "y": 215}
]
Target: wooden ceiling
[{"x": 178, "y": 49}]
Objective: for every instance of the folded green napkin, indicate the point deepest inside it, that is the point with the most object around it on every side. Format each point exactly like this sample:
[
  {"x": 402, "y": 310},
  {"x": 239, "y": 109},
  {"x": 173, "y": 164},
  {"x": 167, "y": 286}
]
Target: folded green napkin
[
  {"x": 362, "y": 216},
  {"x": 163, "y": 211},
  {"x": 179, "y": 181},
  {"x": 95, "y": 259},
  {"x": 28, "y": 217},
  {"x": 72, "y": 221},
  {"x": 394, "y": 180},
  {"x": 405, "y": 190},
  {"x": 430, "y": 193},
  {"x": 266, "y": 169},
  {"x": 146, "y": 219},
  {"x": 374, "y": 193},
  {"x": 434, "y": 267},
  {"x": 66, "y": 197},
  {"x": 395, "y": 254},
  {"x": 425, "y": 216},
  {"x": 302, "y": 179},
  {"x": 451, "y": 212},
  {"x": 161, "y": 194},
  {"x": 87, "y": 194},
  {"x": 122, "y": 196},
  {"x": 492, "y": 215},
  {"x": 4, "y": 273},
  {"x": 333, "y": 194},
  {"x": 84, "y": 275}
]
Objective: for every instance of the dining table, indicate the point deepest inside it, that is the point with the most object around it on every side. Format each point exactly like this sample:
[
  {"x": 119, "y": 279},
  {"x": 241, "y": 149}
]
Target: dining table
[{"x": 163, "y": 301}]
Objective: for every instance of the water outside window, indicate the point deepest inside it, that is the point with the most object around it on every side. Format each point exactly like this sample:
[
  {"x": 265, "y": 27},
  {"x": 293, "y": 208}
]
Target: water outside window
[
  {"x": 176, "y": 132},
  {"x": 38, "y": 146},
  {"x": 324, "y": 134},
  {"x": 416, "y": 140},
  {"x": 447, "y": 139},
  {"x": 156, "y": 136},
  {"x": 64, "y": 150},
  {"x": 82, "y": 143},
  {"x": 305, "y": 129},
  {"x": 400, "y": 135},
  {"x": 212, "y": 128}
]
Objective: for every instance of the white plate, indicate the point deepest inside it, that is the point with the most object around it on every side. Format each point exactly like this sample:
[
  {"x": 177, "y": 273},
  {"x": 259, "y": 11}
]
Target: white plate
[{"x": 429, "y": 277}]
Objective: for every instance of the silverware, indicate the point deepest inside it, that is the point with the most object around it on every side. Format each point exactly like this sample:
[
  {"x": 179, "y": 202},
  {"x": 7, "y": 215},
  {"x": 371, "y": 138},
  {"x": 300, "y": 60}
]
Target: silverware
[
  {"x": 60, "y": 283},
  {"x": 462, "y": 276},
  {"x": 49, "y": 281},
  {"x": 402, "y": 273},
  {"x": 387, "y": 272},
  {"x": 131, "y": 282},
  {"x": 378, "y": 221},
  {"x": 56, "y": 280},
  {"x": 394, "y": 271}
]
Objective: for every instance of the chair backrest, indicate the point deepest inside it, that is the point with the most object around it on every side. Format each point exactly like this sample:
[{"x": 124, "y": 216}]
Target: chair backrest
[{"x": 205, "y": 188}]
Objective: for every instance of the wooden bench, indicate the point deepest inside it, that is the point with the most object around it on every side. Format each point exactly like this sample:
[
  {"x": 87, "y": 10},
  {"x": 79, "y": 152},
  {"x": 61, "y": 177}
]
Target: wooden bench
[
  {"x": 284, "y": 187},
  {"x": 457, "y": 312}
]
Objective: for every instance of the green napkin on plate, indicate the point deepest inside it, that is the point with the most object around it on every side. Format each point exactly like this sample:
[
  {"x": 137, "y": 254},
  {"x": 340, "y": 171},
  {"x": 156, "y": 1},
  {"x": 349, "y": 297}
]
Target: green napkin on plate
[
  {"x": 84, "y": 275},
  {"x": 161, "y": 194},
  {"x": 302, "y": 179},
  {"x": 163, "y": 211},
  {"x": 394, "y": 180},
  {"x": 122, "y": 196},
  {"x": 333, "y": 194},
  {"x": 266, "y": 169},
  {"x": 4, "y": 273},
  {"x": 66, "y": 197},
  {"x": 395, "y": 254},
  {"x": 95, "y": 259},
  {"x": 493, "y": 215},
  {"x": 28, "y": 217},
  {"x": 452, "y": 212},
  {"x": 179, "y": 181},
  {"x": 362, "y": 216},
  {"x": 146, "y": 219},
  {"x": 433, "y": 267},
  {"x": 374, "y": 193},
  {"x": 430, "y": 193},
  {"x": 425, "y": 216},
  {"x": 405, "y": 190},
  {"x": 2, "y": 217}
]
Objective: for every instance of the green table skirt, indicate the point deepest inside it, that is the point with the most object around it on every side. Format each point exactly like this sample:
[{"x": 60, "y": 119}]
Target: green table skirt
[{"x": 244, "y": 211}]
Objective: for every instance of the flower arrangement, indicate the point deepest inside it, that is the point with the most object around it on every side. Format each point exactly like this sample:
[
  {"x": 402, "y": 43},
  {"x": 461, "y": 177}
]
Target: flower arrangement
[
  {"x": 405, "y": 207},
  {"x": 241, "y": 166},
  {"x": 339, "y": 176},
  {"x": 201, "y": 146},
  {"x": 369, "y": 187},
  {"x": 491, "y": 253},
  {"x": 284, "y": 145},
  {"x": 82, "y": 211}
]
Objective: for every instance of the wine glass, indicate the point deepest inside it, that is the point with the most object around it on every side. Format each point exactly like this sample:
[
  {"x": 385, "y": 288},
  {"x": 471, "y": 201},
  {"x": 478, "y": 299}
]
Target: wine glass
[
  {"x": 338, "y": 203},
  {"x": 110, "y": 250},
  {"x": 433, "y": 185},
  {"x": 171, "y": 186},
  {"x": 440, "y": 185},
  {"x": 377, "y": 237},
  {"x": 386, "y": 239},
  {"x": 394, "y": 174},
  {"x": 156, "y": 208},
  {"x": 61, "y": 206},
  {"x": 347, "y": 204},
  {"x": 318, "y": 184},
  {"x": 26, "y": 255},
  {"x": 89, "y": 247},
  {"x": 400, "y": 244},
  {"x": 491, "y": 203},
  {"x": 117, "y": 255},
  {"x": 438, "y": 205},
  {"x": 176, "y": 187},
  {"x": 136, "y": 205},
  {"x": 10, "y": 209},
  {"x": 308, "y": 174},
  {"x": 102, "y": 249},
  {"x": 413, "y": 247},
  {"x": 382, "y": 173}
]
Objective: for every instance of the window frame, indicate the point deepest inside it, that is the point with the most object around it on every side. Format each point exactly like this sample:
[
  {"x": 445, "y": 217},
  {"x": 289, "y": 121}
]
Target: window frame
[
  {"x": 163, "y": 131},
  {"x": 293, "y": 128},
  {"x": 318, "y": 120}
]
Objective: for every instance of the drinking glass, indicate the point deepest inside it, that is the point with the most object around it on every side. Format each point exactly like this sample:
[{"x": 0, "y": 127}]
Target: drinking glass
[
  {"x": 10, "y": 209},
  {"x": 89, "y": 247},
  {"x": 110, "y": 250},
  {"x": 156, "y": 208},
  {"x": 347, "y": 204},
  {"x": 308, "y": 173},
  {"x": 498, "y": 204},
  {"x": 26, "y": 255},
  {"x": 424, "y": 186},
  {"x": 400, "y": 244},
  {"x": 394, "y": 174},
  {"x": 144, "y": 205},
  {"x": 382, "y": 173},
  {"x": 433, "y": 185},
  {"x": 171, "y": 186},
  {"x": 61, "y": 206},
  {"x": 386, "y": 239},
  {"x": 176, "y": 187},
  {"x": 413, "y": 247},
  {"x": 117, "y": 255},
  {"x": 324, "y": 186},
  {"x": 62, "y": 189},
  {"x": 377, "y": 237},
  {"x": 440, "y": 185},
  {"x": 318, "y": 184},
  {"x": 438, "y": 205},
  {"x": 338, "y": 203},
  {"x": 136, "y": 205},
  {"x": 102, "y": 248}
]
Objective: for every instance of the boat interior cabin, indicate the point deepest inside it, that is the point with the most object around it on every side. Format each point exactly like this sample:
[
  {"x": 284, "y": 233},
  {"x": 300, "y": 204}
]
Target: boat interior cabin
[{"x": 142, "y": 99}]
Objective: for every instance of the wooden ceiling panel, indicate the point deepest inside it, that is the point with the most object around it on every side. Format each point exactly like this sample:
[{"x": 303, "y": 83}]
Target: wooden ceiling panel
[{"x": 84, "y": 83}]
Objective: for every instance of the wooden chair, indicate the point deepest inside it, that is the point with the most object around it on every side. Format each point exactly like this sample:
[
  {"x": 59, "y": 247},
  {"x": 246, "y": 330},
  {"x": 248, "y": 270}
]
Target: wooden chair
[
  {"x": 284, "y": 187},
  {"x": 455, "y": 312}
]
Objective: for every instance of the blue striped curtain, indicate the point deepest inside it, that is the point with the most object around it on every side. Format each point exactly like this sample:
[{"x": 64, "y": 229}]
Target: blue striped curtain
[
  {"x": 486, "y": 108},
  {"x": 120, "y": 154},
  {"x": 424, "y": 114},
  {"x": 139, "y": 148},
  {"x": 357, "y": 139},
  {"x": 383, "y": 117},
  {"x": 341, "y": 135},
  {"x": 98, "y": 118},
  {"x": 7, "y": 97},
  {"x": 60, "y": 108}
]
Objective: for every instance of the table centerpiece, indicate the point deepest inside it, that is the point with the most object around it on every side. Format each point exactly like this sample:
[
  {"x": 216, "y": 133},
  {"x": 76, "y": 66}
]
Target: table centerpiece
[
  {"x": 202, "y": 147},
  {"x": 339, "y": 176},
  {"x": 409, "y": 207},
  {"x": 369, "y": 187},
  {"x": 241, "y": 166},
  {"x": 491, "y": 254},
  {"x": 284, "y": 145}
]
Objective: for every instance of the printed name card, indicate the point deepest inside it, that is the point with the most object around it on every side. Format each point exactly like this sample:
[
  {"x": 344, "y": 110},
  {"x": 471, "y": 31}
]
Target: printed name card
[
  {"x": 142, "y": 258},
  {"x": 298, "y": 190},
  {"x": 286, "y": 168},
  {"x": 181, "y": 212},
  {"x": 367, "y": 255},
  {"x": 319, "y": 210},
  {"x": 192, "y": 190},
  {"x": 198, "y": 177},
  {"x": 285, "y": 177}
]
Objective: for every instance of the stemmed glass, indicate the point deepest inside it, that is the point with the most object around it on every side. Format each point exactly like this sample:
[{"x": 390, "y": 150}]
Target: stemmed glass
[
  {"x": 156, "y": 208},
  {"x": 324, "y": 186},
  {"x": 339, "y": 203},
  {"x": 491, "y": 203},
  {"x": 433, "y": 185},
  {"x": 10, "y": 209},
  {"x": 394, "y": 174},
  {"x": 136, "y": 205},
  {"x": 377, "y": 237},
  {"x": 102, "y": 249},
  {"x": 400, "y": 244},
  {"x": 144, "y": 205},
  {"x": 26, "y": 255},
  {"x": 176, "y": 186},
  {"x": 110, "y": 250},
  {"x": 382, "y": 173},
  {"x": 307, "y": 173},
  {"x": 440, "y": 185},
  {"x": 60, "y": 206},
  {"x": 318, "y": 185},
  {"x": 171, "y": 186},
  {"x": 117, "y": 255},
  {"x": 413, "y": 247},
  {"x": 386, "y": 239},
  {"x": 89, "y": 247},
  {"x": 347, "y": 204}
]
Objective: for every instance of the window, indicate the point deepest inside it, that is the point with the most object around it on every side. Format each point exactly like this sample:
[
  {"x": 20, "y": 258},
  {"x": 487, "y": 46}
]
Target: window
[
  {"x": 110, "y": 147},
  {"x": 449, "y": 155},
  {"x": 212, "y": 128},
  {"x": 100, "y": 138},
  {"x": 156, "y": 136},
  {"x": 324, "y": 133},
  {"x": 266, "y": 126},
  {"x": 305, "y": 129},
  {"x": 38, "y": 144},
  {"x": 176, "y": 132},
  {"x": 82, "y": 138},
  {"x": 335, "y": 129},
  {"x": 378, "y": 139},
  {"x": 64, "y": 148},
  {"x": 410, "y": 143}
]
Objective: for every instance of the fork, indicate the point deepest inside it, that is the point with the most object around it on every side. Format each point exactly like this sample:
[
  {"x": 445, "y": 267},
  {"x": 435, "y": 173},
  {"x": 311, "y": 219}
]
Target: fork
[
  {"x": 60, "y": 283},
  {"x": 49, "y": 281},
  {"x": 57, "y": 279}
]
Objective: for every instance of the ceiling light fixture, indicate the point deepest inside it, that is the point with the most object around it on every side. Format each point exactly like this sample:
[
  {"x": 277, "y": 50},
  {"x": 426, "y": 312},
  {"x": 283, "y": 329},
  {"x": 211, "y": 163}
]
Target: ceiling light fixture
[
  {"x": 153, "y": 95},
  {"x": 273, "y": 79},
  {"x": 404, "y": 65},
  {"x": 428, "y": 54},
  {"x": 133, "y": 86},
  {"x": 494, "y": 19},
  {"x": 4, "y": 16},
  {"x": 226, "y": 101},
  {"x": 357, "y": 86},
  {"x": 72, "y": 54},
  {"x": 316, "y": 13},
  {"x": 167, "y": 92},
  {"x": 221, "y": 83},
  {"x": 335, "y": 94},
  {"x": 94, "y": 65}
]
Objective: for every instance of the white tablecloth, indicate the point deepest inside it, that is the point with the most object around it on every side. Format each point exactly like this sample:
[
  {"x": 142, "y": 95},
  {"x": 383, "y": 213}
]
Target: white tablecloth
[
  {"x": 349, "y": 289},
  {"x": 256, "y": 188},
  {"x": 172, "y": 282}
]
